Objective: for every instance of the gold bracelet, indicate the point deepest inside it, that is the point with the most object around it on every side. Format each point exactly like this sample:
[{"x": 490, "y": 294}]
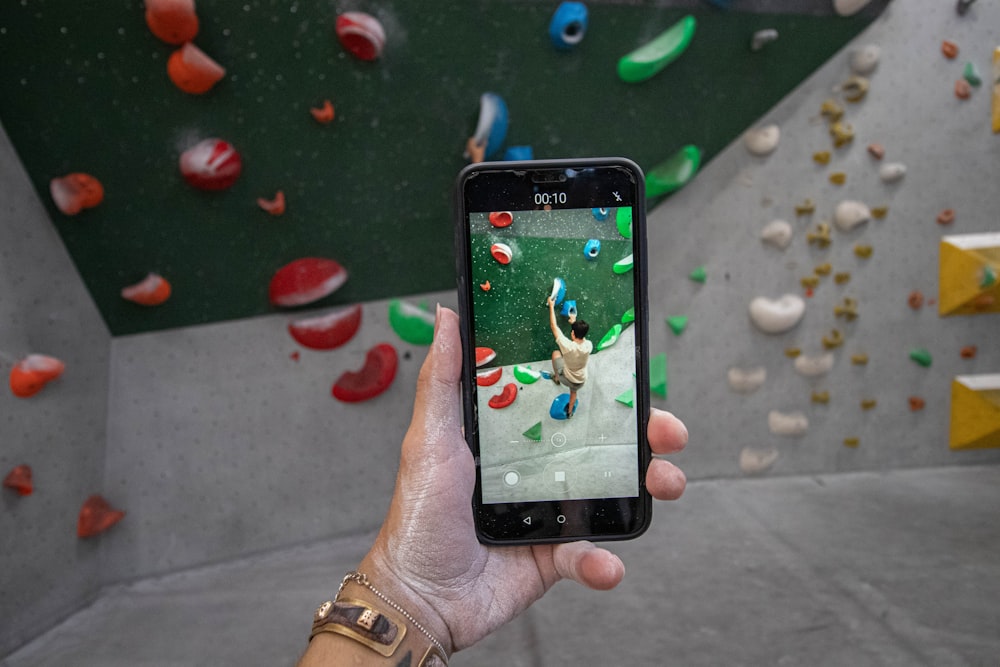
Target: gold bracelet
[{"x": 378, "y": 630}]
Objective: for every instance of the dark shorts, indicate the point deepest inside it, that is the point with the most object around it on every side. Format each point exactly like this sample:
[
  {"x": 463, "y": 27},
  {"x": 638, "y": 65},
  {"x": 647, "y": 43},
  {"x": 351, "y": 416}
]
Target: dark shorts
[{"x": 560, "y": 366}]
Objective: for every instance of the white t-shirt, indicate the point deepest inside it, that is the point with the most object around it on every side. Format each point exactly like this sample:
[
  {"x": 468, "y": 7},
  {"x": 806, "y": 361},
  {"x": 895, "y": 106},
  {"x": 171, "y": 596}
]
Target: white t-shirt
[{"x": 575, "y": 355}]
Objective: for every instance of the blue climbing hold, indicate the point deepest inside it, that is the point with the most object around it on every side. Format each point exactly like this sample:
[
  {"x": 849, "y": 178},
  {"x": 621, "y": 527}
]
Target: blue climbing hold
[
  {"x": 558, "y": 290},
  {"x": 491, "y": 129},
  {"x": 600, "y": 214},
  {"x": 568, "y": 25},
  {"x": 518, "y": 153},
  {"x": 558, "y": 409},
  {"x": 568, "y": 308},
  {"x": 592, "y": 249}
]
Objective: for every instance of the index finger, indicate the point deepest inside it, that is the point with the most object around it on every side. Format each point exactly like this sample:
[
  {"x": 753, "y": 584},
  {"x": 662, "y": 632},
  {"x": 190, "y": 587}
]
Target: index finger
[{"x": 667, "y": 434}]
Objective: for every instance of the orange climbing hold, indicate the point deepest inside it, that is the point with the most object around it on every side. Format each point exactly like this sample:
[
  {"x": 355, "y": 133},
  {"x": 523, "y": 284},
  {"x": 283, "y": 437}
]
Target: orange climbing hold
[
  {"x": 486, "y": 287},
  {"x": 19, "y": 479},
  {"x": 32, "y": 373},
  {"x": 172, "y": 21},
  {"x": 274, "y": 206},
  {"x": 916, "y": 299},
  {"x": 963, "y": 90},
  {"x": 969, "y": 352},
  {"x": 917, "y": 404},
  {"x": 74, "y": 192},
  {"x": 323, "y": 114},
  {"x": 193, "y": 71},
  {"x": 946, "y": 217},
  {"x": 96, "y": 516},
  {"x": 949, "y": 49},
  {"x": 152, "y": 290}
]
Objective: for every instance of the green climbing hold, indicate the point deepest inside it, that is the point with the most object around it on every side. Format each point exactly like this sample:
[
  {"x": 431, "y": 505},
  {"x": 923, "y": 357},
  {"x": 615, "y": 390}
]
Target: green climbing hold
[
  {"x": 411, "y": 323},
  {"x": 534, "y": 433},
  {"x": 677, "y": 324},
  {"x": 627, "y": 398},
  {"x": 652, "y": 57},
  {"x": 989, "y": 277},
  {"x": 610, "y": 338},
  {"x": 629, "y": 316},
  {"x": 673, "y": 173},
  {"x": 658, "y": 375},
  {"x": 623, "y": 265},
  {"x": 971, "y": 75},
  {"x": 623, "y": 220},
  {"x": 698, "y": 275},
  {"x": 921, "y": 356},
  {"x": 525, "y": 375}
]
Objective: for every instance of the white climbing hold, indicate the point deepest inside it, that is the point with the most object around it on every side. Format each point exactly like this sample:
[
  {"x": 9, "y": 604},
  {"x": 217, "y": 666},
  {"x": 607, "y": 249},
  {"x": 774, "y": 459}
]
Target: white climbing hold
[
  {"x": 763, "y": 37},
  {"x": 756, "y": 460},
  {"x": 865, "y": 60},
  {"x": 746, "y": 380},
  {"x": 814, "y": 366},
  {"x": 777, "y": 315},
  {"x": 787, "y": 423},
  {"x": 892, "y": 172},
  {"x": 762, "y": 140},
  {"x": 778, "y": 233},
  {"x": 849, "y": 7},
  {"x": 849, "y": 214}
]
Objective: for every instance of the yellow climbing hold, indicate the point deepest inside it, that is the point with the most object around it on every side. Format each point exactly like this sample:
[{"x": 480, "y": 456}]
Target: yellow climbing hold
[
  {"x": 821, "y": 157},
  {"x": 833, "y": 339},
  {"x": 848, "y": 309},
  {"x": 806, "y": 207},
  {"x": 838, "y": 178},
  {"x": 821, "y": 397},
  {"x": 880, "y": 212},
  {"x": 863, "y": 251},
  {"x": 852, "y": 442},
  {"x": 792, "y": 352},
  {"x": 868, "y": 403},
  {"x": 823, "y": 269},
  {"x": 841, "y": 277},
  {"x": 809, "y": 282},
  {"x": 821, "y": 236},
  {"x": 859, "y": 359},
  {"x": 831, "y": 110},
  {"x": 842, "y": 134}
]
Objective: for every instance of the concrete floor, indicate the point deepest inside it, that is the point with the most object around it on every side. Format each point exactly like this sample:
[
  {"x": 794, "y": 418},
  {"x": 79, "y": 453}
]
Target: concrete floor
[{"x": 856, "y": 569}]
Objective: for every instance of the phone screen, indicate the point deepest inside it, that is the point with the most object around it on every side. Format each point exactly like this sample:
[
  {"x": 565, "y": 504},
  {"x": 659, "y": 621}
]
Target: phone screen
[{"x": 558, "y": 397}]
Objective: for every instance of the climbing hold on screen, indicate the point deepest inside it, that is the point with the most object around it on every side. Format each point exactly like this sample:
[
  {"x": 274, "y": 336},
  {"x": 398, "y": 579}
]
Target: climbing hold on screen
[
  {"x": 628, "y": 316},
  {"x": 568, "y": 25},
  {"x": 777, "y": 315},
  {"x": 677, "y": 323},
  {"x": 19, "y": 479},
  {"x": 193, "y": 71},
  {"x": 600, "y": 214},
  {"x": 558, "y": 291},
  {"x": 152, "y": 290},
  {"x": 502, "y": 253},
  {"x": 30, "y": 375},
  {"x": 484, "y": 355},
  {"x": 491, "y": 129},
  {"x": 361, "y": 35},
  {"x": 623, "y": 221},
  {"x": 329, "y": 331},
  {"x": 323, "y": 114},
  {"x": 96, "y": 516},
  {"x": 275, "y": 206},
  {"x": 489, "y": 377},
  {"x": 172, "y": 21},
  {"x": 74, "y": 192},
  {"x": 306, "y": 280},
  {"x": 591, "y": 249},
  {"x": 610, "y": 338},
  {"x": 761, "y": 141},
  {"x": 374, "y": 377},
  {"x": 504, "y": 398},
  {"x": 558, "y": 408},
  {"x": 211, "y": 164},
  {"x": 673, "y": 173},
  {"x": 627, "y": 398},
  {"x": 534, "y": 433},
  {"x": 568, "y": 308},
  {"x": 525, "y": 375},
  {"x": 411, "y": 323},
  {"x": 501, "y": 218},
  {"x": 652, "y": 57},
  {"x": 658, "y": 375},
  {"x": 623, "y": 265}
]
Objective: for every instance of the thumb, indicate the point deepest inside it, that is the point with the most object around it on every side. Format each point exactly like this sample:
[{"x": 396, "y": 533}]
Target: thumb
[{"x": 589, "y": 565}]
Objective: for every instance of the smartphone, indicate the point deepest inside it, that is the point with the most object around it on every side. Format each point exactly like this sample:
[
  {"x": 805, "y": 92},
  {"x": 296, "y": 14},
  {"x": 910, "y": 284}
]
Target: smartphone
[{"x": 551, "y": 259}]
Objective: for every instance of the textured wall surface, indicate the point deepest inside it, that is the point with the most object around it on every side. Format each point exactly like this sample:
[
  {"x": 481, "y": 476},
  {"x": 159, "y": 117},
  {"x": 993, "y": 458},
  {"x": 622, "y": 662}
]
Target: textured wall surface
[{"x": 46, "y": 573}]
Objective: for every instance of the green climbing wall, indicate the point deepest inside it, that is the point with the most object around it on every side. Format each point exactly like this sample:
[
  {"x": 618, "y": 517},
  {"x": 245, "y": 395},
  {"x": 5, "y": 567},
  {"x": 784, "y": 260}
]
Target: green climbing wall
[{"x": 84, "y": 88}]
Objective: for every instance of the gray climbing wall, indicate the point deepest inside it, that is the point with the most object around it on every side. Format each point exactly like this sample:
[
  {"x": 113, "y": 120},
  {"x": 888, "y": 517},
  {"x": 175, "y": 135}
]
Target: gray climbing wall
[{"x": 47, "y": 574}]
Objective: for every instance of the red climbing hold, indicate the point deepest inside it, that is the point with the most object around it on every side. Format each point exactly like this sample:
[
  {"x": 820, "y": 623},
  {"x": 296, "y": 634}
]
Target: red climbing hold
[
  {"x": 501, "y": 218},
  {"x": 194, "y": 71},
  {"x": 323, "y": 114},
  {"x": 505, "y": 397},
  {"x": 374, "y": 377},
  {"x": 32, "y": 373},
  {"x": 484, "y": 355},
  {"x": 96, "y": 516},
  {"x": 151, "y": 291},
  {"x": 74, "y": 192},
  {"x": 361, "y": 35},
  {"x": 327, "y": 331},
  {"x": 211, "y": 164},
  {"x": 490, "y": 377},
  {"x": 306, "y": 280},
  {"x": 19, "y": 479},
  {"x": 172, "y": 21},
  {"x": 274, "y": 206}
]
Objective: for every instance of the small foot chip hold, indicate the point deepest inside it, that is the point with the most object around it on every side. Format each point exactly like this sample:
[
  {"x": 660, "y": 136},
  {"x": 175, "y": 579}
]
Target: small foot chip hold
[
  {"x": 673, "y": 173},
  {"x": 96, "y": 516},
  {"x": 852, "y": 442},
  {"x": 699, "y": 275},
  {"x": 921, "y": 356},
  {"x": 916, "y": 299},
  {"x": 628, "y": 316},
  {"x": 746, "y": 380},
  {"x": 916, "y": 403},
  {"x": 324, "y": 113},
  {"x": 814, "y": 366},
  {"x": 194, "y": 71},
  {"x": 969, "y": 352},
  {"x": 879, "y": 212},
  {"x": 19, "y": 479},
  {"x": 833, "y": 340},
  {"x": 946, "y": 217},
  {"x": 761, "y": 141},
  {"x": 153, "y": 290},
  {"x": 502, "y": 253},
  {"x": 949, "y": 49},
  {"x": 75, "y": 192},
  {"x": 776, "y": 316},
  {"x": 963, "y": 90},
  {"x": 868, "y": 403},
  {"x": 327, "y": 332},
  {"x": 865, "y": 60},
  {"x": 820, "y": 236},
  {"x": 486, "y": 287},
  {"x": 374, "y": 377},
  {"x": 211, "y": 164},
  {"x": 823, "y": 269},
  {"x": 807, "y": 207},
  {"x": 821, "y": 157},
  {"x": 792, "y": 352},
  {"x": 30, "y": 375},
  {"x": 172, "y": 21},
  {"x": 841, "y": 133},
  {"x": 854, "y": 89},
  {"x": 859, "y": 359},
  {"x": 274, "y": 206},
  {"x": 838, "y": 178},
  {"x": 649, "y": 59},
  {"x": 754, "y": 460},
  {"x": 305, "y": 280},
  {"x": 842, "y": 277},
  {"x": 831, "y": 110},
  {"x": 568, "y": 25},
  {"x": 658, "y": 374},
  {"x": 821, "y": 397},
  {"x": 787, "y": 423},
  {"x": 534, "y": 433},
  {"x": 877, "y": 151},
  {"x": 809, "y": 282},
  {"x": 863, "y": 250},
  {"x": 777, "y": 233},
  {"x": 848, "y": 309},
  {"x": 971, "y": 74},
  {"x": 361, "y": 35},
  {"x": 413, "y": 324},
  {"x": 505, "y": 398},
  {"x": 762, "y": 38}
]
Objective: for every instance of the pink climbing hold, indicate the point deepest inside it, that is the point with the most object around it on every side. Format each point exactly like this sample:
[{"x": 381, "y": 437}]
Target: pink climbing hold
[
  {"x": 306, "y": 280},
  {"x": 211, "y": 164}
]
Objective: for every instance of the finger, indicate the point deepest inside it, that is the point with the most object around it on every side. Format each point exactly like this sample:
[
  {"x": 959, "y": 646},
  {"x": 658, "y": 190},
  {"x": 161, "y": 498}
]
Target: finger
[
  {"x": 667, "y": 434},
  {"x": 438, "y": 404},
  {"x": 664, "y": 480},
  {"x": 589, "y": 565}
]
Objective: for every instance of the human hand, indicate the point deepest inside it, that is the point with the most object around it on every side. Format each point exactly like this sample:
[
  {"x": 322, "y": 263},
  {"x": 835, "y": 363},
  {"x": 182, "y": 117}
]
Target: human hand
[
  {"x": 551, "y": 302},
  {"x": 426, "y": 556}
]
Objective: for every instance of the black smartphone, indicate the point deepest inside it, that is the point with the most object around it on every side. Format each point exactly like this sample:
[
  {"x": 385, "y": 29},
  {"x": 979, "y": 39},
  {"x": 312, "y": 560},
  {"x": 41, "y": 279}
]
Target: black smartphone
[{"x": 552, "y": 276}]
